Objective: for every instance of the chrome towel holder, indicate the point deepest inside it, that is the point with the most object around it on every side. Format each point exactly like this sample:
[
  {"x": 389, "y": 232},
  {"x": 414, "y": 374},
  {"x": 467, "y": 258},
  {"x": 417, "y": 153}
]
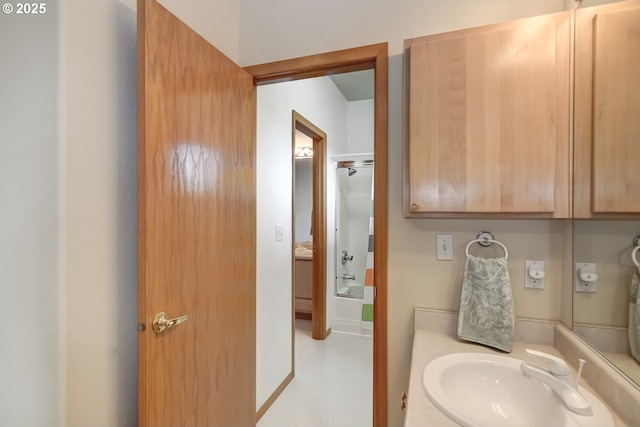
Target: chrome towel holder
[
  {"x": 484, "y": 238},
  {"x": 634, "y": 253}
]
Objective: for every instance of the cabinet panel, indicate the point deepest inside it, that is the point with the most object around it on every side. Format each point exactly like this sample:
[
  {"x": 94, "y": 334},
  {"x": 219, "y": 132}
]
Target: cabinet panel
[
  {"x": 303, "y": 279},
  {"x": 303, "y": 282},
  {"x": 607, "y": 108},
  {"x": 616, "y": 100},
  {"x": 488, "y": 119}
]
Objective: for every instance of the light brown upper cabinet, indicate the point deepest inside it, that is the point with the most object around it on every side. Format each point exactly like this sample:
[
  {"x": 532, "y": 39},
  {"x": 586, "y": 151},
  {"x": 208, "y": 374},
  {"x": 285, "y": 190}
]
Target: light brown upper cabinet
[
  {"x": 607, "y": 111},
  {"x": 487, "y": 115}
]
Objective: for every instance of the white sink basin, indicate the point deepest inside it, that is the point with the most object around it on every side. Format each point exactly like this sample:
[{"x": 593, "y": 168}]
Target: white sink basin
[{"x": 476, "y": 389}]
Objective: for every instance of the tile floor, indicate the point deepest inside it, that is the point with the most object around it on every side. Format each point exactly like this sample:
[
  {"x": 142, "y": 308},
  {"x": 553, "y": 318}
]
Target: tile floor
[{"x": 333, "y": 383}]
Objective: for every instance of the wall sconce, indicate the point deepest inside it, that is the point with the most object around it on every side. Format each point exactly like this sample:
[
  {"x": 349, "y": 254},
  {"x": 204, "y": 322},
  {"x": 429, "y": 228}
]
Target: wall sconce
[{"x": 303, "y": 152}]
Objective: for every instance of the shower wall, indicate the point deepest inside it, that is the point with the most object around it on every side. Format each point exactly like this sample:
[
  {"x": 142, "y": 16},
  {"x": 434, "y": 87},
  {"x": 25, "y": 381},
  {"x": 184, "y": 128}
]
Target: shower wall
[{"x": 353, "y": 210}]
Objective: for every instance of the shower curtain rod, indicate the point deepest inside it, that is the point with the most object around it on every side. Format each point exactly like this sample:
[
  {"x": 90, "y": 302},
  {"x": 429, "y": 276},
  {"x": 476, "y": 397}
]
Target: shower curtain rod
[{"x": 354, "y": 163}]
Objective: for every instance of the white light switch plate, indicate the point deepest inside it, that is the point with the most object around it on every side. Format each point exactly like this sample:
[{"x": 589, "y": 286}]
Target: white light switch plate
[
  {"x": 444, "y": 247},
  {"x": 279, "y": 232}
]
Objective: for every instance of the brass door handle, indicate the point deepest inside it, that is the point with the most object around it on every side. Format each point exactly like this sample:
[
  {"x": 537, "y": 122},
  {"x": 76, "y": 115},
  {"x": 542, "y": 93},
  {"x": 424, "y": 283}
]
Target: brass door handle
[{"x": 160, "y": 322}]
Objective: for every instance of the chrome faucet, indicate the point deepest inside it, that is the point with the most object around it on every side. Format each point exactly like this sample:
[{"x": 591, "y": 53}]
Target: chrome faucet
[
  {"x": 558, "y": 377},
  {"x": 348, "y": 277},
  {"x": 346, "y": 257}
]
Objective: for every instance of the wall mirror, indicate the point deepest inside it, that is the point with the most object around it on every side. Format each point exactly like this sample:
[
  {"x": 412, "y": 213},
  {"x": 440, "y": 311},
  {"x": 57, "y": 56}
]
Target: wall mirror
[
  {"x": 607, "y": 180},
  {"x": 601, "y": 308}
]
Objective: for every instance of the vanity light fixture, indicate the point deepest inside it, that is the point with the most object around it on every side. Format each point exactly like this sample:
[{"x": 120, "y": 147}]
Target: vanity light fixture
[{"x": 303, "y": 152}]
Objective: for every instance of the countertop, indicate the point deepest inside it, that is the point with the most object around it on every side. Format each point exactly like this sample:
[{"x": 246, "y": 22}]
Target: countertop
[
  {"x": 304, "y": 251},
  {"x": 430, "y": 344}
]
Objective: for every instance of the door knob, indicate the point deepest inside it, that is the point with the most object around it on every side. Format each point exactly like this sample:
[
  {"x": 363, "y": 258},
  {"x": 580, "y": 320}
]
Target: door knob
[{"x": 160, "y": 322}]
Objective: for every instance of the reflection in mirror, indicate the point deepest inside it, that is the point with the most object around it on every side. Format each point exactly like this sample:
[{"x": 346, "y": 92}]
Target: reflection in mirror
[
  {"x": 601, "y": 314},
  {"x": 606, "y": 176}
]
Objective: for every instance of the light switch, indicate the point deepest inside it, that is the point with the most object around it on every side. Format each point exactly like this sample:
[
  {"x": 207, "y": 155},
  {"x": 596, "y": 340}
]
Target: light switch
[
  {"x": 444, "y": 247},
  {"x": 279, "y": 232}
]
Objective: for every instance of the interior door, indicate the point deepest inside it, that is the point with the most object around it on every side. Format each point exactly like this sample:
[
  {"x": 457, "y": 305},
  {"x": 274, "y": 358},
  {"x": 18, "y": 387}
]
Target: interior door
[{"x": 197, "y": 222}]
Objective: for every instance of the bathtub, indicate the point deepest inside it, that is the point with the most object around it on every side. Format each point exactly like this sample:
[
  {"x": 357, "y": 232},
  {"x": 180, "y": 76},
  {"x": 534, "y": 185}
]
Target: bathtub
[
  {"x": 351, "y": 290},
  {"x": 347, "y": 311}
]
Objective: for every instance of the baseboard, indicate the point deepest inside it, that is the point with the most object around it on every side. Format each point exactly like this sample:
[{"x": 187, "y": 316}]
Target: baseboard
[{"x": 274, "y": 396}]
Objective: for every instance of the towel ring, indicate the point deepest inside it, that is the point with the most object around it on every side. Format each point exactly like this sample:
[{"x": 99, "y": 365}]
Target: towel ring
[
  {"x": 489, "y": 241},
  {"x": 634, "y": 256}
]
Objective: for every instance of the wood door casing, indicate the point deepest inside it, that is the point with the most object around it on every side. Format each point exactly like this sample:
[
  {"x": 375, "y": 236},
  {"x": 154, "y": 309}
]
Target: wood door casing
[
  {"x": 197, "y": 222},
  {"x": 319, "y": 329}
]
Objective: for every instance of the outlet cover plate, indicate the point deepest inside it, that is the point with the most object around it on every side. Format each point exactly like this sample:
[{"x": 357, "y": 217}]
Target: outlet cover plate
[
  {"x": 582, "y": 286},
  {"x": 530, "y": 282}
]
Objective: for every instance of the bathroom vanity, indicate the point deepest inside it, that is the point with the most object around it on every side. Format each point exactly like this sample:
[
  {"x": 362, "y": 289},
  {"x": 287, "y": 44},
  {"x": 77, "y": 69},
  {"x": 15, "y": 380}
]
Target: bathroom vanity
[
  {"x": 435, "y": 336},
  {"x": 303, "y": 281}
]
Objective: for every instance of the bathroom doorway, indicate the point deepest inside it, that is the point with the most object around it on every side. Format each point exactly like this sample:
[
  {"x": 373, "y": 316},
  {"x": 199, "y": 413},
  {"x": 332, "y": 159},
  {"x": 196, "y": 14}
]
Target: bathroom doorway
[
  {"x": 349, "y": 126},
  {"x": 373, "y": 57}
]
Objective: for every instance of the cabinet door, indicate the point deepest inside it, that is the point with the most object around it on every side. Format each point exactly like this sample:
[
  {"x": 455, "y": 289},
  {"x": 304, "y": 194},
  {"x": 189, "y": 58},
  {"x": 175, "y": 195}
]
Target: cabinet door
[
  {"x": 607, "y": 110},
  {"x": 488, "y": 120},
  {"x": 304, "y": 279}
]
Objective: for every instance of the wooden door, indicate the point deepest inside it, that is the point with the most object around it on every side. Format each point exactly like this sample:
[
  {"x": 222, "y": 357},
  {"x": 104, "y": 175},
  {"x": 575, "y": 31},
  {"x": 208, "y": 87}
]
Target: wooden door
[{"x": 197, "y": 222}]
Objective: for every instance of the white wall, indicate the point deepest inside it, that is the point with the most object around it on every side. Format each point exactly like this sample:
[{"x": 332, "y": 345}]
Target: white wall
[
  {"x": 353, "y": 210},
  {"x": 29, "y": 360},
  {"x": 98, "y": 198},
  {"x": 319, "y": 101},
  {"x": 360, "y": 131},
  {"x": 608, "y": 244},
  {"x": 356, "y": 194},
  {"x": 70, "y": 243},
  {"x": 415, "y": 278},
  {"x": 267, "y": 32}
]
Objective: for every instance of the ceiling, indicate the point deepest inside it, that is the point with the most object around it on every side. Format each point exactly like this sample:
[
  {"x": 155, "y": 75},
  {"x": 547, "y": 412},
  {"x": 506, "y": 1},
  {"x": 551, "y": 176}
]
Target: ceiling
[{"x": 356, "y": 85}]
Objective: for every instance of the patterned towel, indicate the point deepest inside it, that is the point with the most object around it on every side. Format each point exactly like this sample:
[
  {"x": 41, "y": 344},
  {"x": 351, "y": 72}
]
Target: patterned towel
[
  {"x": 486, "y": 306},
  {"x": 634, "y": 316}
]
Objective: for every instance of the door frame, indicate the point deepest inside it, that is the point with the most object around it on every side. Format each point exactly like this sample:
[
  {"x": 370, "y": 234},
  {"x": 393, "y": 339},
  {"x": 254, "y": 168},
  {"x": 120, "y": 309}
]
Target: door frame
[
  {"x": 319, "y": 329},
  {"x": 374, "y": 57}
]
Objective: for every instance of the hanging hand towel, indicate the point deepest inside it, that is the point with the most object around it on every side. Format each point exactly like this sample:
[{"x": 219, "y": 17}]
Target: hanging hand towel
[
  {"x": 486, "y": 306},
  {"x": 634, "y": 316}
]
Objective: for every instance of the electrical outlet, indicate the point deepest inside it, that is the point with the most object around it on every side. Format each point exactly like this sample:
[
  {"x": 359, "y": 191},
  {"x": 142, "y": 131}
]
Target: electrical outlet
[
  {"x": 589, "y": 270},
  {"x": 534, "y": 274}
]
